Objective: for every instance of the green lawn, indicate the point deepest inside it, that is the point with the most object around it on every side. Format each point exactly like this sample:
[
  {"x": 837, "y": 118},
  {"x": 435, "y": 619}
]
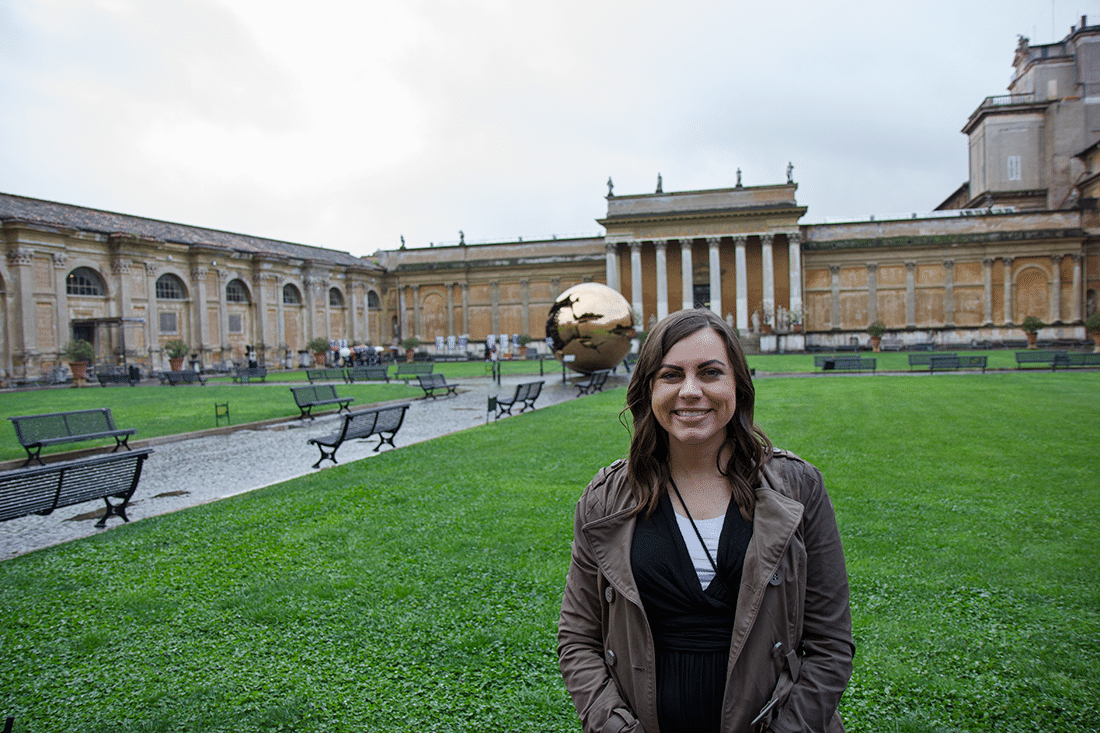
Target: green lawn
[{"x": 418, "y": 590}]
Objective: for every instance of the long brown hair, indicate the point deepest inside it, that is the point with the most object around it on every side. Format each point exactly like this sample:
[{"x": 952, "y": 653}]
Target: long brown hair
[{"x": 749, "y": 448}]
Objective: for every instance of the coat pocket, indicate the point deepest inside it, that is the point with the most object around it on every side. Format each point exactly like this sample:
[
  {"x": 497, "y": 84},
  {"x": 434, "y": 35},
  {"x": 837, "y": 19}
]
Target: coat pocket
[{"x": 791, "y": 665}]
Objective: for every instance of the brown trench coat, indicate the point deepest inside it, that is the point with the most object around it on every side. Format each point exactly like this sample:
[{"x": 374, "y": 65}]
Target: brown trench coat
[{"x": 791, "y": 650}]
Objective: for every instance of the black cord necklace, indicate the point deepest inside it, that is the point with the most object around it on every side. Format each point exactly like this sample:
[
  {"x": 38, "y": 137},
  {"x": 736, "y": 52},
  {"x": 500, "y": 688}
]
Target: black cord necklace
[{"x": 698, "y": 534}]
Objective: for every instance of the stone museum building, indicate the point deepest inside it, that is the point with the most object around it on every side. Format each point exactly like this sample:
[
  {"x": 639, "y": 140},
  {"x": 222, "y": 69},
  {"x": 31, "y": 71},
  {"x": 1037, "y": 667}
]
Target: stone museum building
[{"x": 1020, "y": 238}]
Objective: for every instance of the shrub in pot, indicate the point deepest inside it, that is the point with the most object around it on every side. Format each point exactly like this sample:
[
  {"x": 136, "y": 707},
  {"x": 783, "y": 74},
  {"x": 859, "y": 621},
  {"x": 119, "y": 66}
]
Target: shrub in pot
[
  {"x": 176, "y": 350},
  {"x": 79, "y": 354},
  {"x": 1031, "y": 326}
]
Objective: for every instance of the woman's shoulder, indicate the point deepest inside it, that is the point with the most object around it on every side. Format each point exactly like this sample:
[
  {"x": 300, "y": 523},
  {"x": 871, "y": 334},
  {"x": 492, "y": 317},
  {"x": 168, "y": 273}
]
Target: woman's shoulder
[
  {"x": 792, "y": 475},
  {"x": 608, "y": 491}
]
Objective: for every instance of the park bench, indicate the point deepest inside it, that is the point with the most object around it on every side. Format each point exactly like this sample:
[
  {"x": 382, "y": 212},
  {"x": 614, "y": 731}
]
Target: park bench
[
  {"x": 106, "y": 375},
  {"x": 381, "y": 421},
  {"x": 42, "y": 489},
  {"x": 246, "y": 374},
  {"x": 848, "y": 364},
  {"x": 409, "y": 370},
  {"x": 1042, "y": 358},
  {"x": 325, "y": 375},
  {"x": 924, "y": 360},
  {"x": 318, "y": 396},
  {"x": 432, "y": 383},
  {"x": 944, "y": 362},
  {"x": 1076, "y": 359},
  {"x": 593, "y": 383},
  {"x": 36, "y": 432},
  {"x": 525, "y": 395},
  {"x": 369, "y": 374},
  {"x": 186, "y": 376}
]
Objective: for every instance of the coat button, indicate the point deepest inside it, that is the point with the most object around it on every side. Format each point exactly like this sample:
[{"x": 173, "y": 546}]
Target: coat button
[
  {"x": 609, "y": 593},
  {"x": 610, "y": 657},
  {"x": 776, "y": 579}
]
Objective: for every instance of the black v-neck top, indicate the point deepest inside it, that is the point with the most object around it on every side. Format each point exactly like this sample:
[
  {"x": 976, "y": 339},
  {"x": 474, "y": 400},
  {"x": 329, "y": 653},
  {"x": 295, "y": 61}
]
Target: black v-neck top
[{"x": 691, "y": 626}]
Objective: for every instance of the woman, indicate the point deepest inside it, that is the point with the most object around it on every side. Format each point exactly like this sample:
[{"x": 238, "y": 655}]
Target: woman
[{"x": 707, "y": 589}]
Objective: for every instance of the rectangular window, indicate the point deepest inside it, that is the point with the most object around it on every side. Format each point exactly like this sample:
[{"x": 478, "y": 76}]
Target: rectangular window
[
  {"x": 168, "y": 323},
  {"x": 235, "y": 323},
  {"x": 1014, "y": 167}
]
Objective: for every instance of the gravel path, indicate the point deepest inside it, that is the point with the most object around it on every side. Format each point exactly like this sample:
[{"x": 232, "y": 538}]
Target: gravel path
[{"x": 198, "y": 470}]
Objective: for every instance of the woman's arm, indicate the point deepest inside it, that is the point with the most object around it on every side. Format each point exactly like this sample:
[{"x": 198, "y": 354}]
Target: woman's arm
[
  {"x": 827, "y": 646},
  {"x": 581, "y": 644}
]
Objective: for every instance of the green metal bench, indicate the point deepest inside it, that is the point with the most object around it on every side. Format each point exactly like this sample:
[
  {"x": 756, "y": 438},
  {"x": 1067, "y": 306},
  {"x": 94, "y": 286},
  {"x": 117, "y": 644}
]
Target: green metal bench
[
  {"x": 36, "y": 432},
  {"x": 325, "y": 375},
  {"x": 381, "y": 421},
  {"x": 318, "y": 395}
]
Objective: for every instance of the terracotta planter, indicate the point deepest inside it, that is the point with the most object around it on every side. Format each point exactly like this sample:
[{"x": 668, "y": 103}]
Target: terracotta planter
[
  {"x": 410, "y": 355},
  {"x": 766, "y": 328},
  {"x": 319, "y": 359},
  {"x": 176, "y": 363},
  {"x": 1095, "y": 341},
  {"x": 876, "y": 342},
  {"x": 1032, "y": 339},
  {"x": 80, "y": 372},
  {"x": 796, "y": 327}
]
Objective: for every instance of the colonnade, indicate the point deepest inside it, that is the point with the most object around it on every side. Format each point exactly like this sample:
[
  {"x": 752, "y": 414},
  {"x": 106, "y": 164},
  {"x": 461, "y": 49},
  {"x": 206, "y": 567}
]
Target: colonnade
[{"x": 718, "y": 304}]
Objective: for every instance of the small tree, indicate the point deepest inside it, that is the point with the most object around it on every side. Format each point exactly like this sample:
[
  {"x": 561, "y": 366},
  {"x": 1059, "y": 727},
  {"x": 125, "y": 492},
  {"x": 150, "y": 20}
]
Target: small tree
[
  {"x": 410, "y": 343},
  {"x": 1031, "y": 324},
  {"x": 318, "y": 345},
  {"x": 176, "y": 348},
  {"x": 79, "y": 350},
  {"x": 876, "y": 329}
]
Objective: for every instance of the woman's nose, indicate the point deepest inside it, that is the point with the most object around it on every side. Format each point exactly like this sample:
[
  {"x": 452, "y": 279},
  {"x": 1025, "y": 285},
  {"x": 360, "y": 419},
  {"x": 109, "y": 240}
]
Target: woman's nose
[{"x": 690, "y": 387}]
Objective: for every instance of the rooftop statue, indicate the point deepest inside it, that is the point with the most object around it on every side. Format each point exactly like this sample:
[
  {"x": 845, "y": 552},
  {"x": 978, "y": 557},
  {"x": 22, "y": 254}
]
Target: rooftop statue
[
  {"x": 659, "y": 188},
  {"x": 610, "y": 187}
]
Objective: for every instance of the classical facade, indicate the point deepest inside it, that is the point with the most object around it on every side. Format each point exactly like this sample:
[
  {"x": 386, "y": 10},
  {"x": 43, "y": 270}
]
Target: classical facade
[{"x": 1020, "y": 238}]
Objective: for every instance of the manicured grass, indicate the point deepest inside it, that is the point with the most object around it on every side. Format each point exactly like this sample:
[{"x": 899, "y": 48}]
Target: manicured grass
[
  {"x": 160, "y": 410},
  {"x": 419, "y": 590}
]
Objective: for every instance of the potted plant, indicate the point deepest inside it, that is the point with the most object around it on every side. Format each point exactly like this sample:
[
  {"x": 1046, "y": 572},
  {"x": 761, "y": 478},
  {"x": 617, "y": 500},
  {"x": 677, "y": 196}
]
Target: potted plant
[
  {"x": 524, "y": 339},
  {"x": 875, "y": 331},
  {"x": 319, "y": 347},
  {"x": 176, "y": 349},
  {"x": 1092, "y": 325},
  {"x": 79, "y": 354},
  {"x": 409, "y": 345},
  {"x": 1031, "y": 326},
  {"x": 769, "y": 320},
  {"x": 795, "y": 317}
]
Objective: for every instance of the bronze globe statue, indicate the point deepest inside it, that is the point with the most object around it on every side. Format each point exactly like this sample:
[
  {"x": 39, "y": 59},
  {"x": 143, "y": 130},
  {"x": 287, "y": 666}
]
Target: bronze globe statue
[{"x": 593, "y": 324}]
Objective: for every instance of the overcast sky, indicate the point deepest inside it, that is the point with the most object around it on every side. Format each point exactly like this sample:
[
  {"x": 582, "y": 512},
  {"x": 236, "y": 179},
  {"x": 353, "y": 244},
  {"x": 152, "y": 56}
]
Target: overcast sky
[{"x": 349, "y": 124}]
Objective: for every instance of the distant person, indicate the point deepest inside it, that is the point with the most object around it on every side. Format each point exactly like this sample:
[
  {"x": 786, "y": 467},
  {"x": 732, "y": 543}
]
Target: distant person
[{"x": 706, "y": 556}]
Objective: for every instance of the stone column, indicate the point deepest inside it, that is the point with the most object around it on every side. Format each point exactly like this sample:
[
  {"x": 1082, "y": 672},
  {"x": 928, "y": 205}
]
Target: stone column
[
  {"x": 280, "y": 317},
  {"x": 662, "y": 278},
  {"x": 60, "y": 271},
  {"x": 949, "y": 293},
  {"x": 450, "y": 287},
  {"x": 742, "y": 276},
  {"x": 223, "y": 313},
  {"x": 466, "y": 308},
  {"x": 494, "y": 299},
  {"x": 611, "y": 250},
  {"x": 364, "y": 298},
  {"x": 152, "y": 320},
  {"x": 1009, "y": 287},
  {"x": 259, "y": 309},
  {"x": 687, "y": 280},
  {"x": 715, "y": 276},
  {"x": 636, "y": 278},
  {"x": 25, "y": 340},
  {"x": 418, "y": 319},
  {"x": 872, "y": 292},
  {"x": 987, "y": 278},
  {"x": 834, "y": 319},
  {"x": 198, "y": 336},
  {"x": 525, "y": 298},
  {"x": 794, "y": 257},
  {"x": 325, "y": 284},
  {"x": 1077, "y": 295},
  {"x": 1056, "y": 288},
  {"x": 767, "y": 268},
  {"x": 402, "y": 314},
  {"x": 910, "y": 294}
]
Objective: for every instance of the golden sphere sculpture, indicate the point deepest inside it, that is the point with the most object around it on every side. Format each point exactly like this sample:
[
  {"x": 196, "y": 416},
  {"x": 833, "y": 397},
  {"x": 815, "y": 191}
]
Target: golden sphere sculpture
[{"x": 593, "y": 324}]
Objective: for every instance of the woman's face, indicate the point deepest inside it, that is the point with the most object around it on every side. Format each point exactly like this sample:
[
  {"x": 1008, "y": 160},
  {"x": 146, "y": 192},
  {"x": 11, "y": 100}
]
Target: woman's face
[{"x": 694, "y": 394}]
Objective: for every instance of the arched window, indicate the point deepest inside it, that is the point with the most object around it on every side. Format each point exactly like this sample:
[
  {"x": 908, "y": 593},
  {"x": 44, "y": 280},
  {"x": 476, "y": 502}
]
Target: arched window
[
  {"x": 335, "y": 298},
  {"x": 235, "y": 292},
  {"x": 84, "y": 281},
  {"x": 372, "y": 300},
  {"x": 291, "y": 296},
  {"x": 170, "y": 287}
]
